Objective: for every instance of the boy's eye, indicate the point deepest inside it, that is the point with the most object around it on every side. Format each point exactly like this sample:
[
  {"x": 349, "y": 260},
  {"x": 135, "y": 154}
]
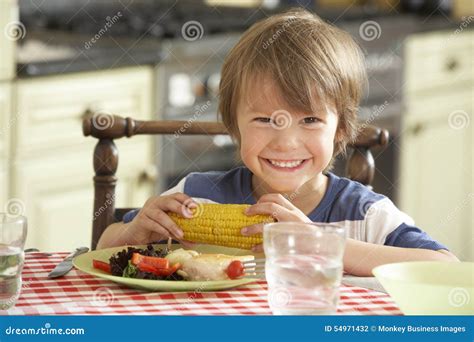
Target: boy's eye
[
  {"x": 266, "y": 120},
  {"x": 311, "y": 119}
]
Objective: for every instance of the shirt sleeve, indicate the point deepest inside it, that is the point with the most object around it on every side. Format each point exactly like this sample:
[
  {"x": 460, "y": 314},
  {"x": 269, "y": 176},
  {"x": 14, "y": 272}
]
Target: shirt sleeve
[
  {"x": 130, "y": 215},
  {"x": 412, "y": 237},
  {"x": 386, "y": 224}
]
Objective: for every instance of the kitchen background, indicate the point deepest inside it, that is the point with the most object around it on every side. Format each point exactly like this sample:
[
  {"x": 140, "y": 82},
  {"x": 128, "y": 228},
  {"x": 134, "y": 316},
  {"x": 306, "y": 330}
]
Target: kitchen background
[{"x": 63, "y": 60}]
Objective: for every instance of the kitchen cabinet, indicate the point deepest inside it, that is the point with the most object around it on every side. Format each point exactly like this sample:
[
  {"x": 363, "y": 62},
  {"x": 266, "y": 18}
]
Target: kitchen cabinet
[
  {"x": 58, "y": 196},
  {"x": 52, "y": 108},
  {"x": 436, "y": 180},
  {"x": 52, "y": 170},
  {"x": 11, "y": 31}
]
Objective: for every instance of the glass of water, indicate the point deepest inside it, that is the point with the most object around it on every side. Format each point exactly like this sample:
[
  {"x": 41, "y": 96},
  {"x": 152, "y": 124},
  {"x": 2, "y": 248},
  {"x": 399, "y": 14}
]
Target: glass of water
[
  {"x": 303, "y": 267},
  {"x": 13, "y": 230}
]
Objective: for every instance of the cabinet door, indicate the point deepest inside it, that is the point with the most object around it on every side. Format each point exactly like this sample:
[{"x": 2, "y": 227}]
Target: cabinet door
[
  {"x": 58, "y": 197},
  {"x": 53, "y": 162},
  {"x": 436, "y": 186},
  {"x": 52, "y": 108},
  {"x": 7, "y": 120},
  {"x": 438, "y": 61},
  {"x": 11, "y": 32},
  {"x": 5, "y": 123}
]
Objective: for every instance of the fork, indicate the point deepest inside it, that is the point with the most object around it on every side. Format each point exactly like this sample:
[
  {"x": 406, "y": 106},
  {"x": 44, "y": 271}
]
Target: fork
[{"x": 254, "y": 269}]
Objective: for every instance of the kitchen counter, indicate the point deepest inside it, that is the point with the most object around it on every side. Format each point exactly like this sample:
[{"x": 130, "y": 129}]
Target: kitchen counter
[
  {"x": 48, "y": 53},
  {"x": 88, "y": 62}
]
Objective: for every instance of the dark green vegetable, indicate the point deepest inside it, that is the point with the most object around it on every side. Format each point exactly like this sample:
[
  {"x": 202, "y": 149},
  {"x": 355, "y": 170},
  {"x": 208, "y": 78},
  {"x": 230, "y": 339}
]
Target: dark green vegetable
[
  {"x": 120, "y": 264},
  {"x": 130, "y": 271}
]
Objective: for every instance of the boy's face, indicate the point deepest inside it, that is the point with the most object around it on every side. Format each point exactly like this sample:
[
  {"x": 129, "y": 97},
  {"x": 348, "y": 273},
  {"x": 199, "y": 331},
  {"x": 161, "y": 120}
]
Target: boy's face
[{"x": 283, "y": 148}]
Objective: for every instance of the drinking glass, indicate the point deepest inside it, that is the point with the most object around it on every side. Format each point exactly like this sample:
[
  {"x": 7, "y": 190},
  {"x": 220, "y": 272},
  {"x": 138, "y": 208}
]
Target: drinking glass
[
  {"x": 303, "y": 267},
  {"x": 13, "y": 229}
]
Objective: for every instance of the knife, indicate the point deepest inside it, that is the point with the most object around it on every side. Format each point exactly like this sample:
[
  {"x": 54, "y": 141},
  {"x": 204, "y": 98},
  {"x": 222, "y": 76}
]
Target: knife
[{"x": 66, "y": 265}]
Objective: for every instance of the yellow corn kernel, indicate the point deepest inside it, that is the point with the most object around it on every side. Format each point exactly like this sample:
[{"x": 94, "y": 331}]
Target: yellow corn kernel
[{"x": 220, "y": 224}]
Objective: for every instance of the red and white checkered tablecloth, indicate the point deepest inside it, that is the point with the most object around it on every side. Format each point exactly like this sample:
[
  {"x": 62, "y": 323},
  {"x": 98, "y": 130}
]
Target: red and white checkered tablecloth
[{"x": 79, "y": 293}]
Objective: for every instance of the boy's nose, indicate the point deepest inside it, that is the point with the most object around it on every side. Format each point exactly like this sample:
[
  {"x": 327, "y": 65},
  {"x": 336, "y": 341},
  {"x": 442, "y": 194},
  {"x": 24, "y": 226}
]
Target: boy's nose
[{"x": 285, "y": 140}]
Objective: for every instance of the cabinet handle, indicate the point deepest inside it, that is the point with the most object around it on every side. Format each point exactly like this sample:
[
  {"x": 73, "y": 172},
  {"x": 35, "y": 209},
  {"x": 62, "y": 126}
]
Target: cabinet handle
[
  {"x": 452, "y": 65},
  {"x": 417, "y": 128},
  {"x": 148, "y": 175}
]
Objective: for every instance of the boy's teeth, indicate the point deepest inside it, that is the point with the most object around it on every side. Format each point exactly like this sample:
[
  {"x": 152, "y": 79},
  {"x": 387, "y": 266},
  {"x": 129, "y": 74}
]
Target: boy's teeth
[{"x": 286, "y": 164}]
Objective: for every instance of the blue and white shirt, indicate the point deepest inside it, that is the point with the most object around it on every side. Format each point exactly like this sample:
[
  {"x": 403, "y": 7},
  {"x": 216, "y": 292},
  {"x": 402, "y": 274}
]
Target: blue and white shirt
[{"x": 366, "y": 215}]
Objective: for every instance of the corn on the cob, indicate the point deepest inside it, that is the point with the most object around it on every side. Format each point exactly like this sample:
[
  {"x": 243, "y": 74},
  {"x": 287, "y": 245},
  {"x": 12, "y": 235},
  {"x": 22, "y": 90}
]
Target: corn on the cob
[{"x": 220, "y": 224}]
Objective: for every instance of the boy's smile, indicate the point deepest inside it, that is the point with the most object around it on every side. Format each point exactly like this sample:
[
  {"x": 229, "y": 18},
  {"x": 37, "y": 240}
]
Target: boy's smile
[
  {"x": 285, "y": 165},
  {"x": 283, "y": 148}
]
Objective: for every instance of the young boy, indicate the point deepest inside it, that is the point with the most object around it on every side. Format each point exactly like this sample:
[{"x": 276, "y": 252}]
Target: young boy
[{"x": 289, "y": 95}]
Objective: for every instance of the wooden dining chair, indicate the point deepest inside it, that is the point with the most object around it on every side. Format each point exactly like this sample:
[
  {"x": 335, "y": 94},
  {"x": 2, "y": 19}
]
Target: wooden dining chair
[{"x": 360, "y": 164}]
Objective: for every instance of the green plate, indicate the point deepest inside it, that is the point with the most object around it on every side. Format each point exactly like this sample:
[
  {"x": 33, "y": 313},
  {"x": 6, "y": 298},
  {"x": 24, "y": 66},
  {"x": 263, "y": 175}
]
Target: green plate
[
  {"x": 84, "y": 263},
  {"x": 430, "y": 287}
]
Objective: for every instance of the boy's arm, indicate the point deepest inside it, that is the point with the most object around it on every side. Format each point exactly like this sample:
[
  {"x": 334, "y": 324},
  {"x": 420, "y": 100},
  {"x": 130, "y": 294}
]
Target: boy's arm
[
  {"x": 119, "y": 234},
  {"x": 115, "y": 235},
  {"x": 361, "y": 257}
]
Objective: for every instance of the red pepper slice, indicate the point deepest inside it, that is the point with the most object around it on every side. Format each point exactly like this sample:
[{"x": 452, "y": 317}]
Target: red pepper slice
[
  {"x": 101, "y": 265},
  {"x": 152, "y": 261},
  {"x": 169, "y": 271},
  {"x": 163, "y": 272},
  {"x": 147, "y": 268}
]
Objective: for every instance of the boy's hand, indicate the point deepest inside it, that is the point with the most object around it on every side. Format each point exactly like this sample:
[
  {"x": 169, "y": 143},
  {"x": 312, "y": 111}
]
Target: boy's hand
[
  {"x": 152, "y": 223},
  {"x": 277, "y": 206}
]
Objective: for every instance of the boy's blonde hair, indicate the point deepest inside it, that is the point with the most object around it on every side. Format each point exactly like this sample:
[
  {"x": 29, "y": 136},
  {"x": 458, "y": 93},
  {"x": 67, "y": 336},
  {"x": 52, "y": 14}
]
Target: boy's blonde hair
[{"x": 308, "y": 60}]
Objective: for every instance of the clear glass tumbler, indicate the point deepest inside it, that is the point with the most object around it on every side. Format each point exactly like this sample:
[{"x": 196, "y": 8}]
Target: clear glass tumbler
[
  {"x": 13, "y": 231},
  {"x": 303, "y": 267}
]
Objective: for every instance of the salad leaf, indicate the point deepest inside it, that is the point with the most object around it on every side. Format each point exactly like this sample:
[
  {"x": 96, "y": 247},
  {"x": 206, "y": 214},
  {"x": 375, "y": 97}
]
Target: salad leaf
[
  {"x": 130, "y": 271},
  {"x": 119, "y": 261},
  {"x": 120, "y": 264}
]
